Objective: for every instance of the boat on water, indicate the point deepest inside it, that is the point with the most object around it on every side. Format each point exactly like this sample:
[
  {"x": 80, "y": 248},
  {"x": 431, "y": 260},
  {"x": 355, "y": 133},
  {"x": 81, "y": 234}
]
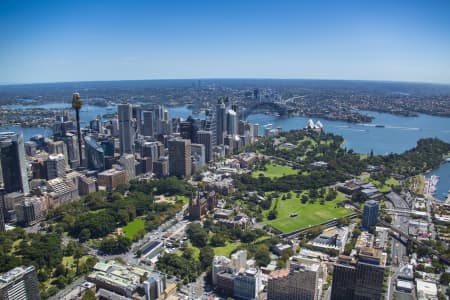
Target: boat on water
[{"x": 379, "y": 126}]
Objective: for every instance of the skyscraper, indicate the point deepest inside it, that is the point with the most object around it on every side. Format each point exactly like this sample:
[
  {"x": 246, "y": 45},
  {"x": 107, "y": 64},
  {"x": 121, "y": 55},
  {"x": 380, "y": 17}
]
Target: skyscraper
[
  {"x": 19, "y": 283},
  {"x": 198, "y": 155},
  {"x": 150, "y": 149},
  {"x": 56, "y": 166},
  {"x": 29, "y": 212},
  {"x": 2, "y": 211},
  {"x": 358, "y": 279},
  {"x": 187, "y": 130},
  {"x": 13, "y": 165},
  {"x": 370, "y": 214},
  {"x": 136, "y": 115},
  {"x": 149, "y": 123},
  {"x": 205, "y": 137},
  {"x": 58, "y": 147},
  {"x": 153, "y": 286},
  {"x": 232, "y": 122},
  {"x": 95, "y": 154},
  {"x": 73, "y": 155},
  {"x": 126, "y": 134},
  {"x": 300, "y": 282},
  {"x": 221, "y": 121},
  {"x": 210, "y": 125},
  {"x": 128, "y": 162},
  {"x": 180, "y": 158}
]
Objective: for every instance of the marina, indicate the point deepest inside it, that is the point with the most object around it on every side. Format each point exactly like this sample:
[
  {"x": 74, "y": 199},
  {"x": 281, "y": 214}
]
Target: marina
[{"x": 431, "y": 184}]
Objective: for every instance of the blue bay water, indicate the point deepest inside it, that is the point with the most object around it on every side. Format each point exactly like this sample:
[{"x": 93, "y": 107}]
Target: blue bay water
[
  {"x": 443, "y": 186},
  {"x": 398, "y": 134}
]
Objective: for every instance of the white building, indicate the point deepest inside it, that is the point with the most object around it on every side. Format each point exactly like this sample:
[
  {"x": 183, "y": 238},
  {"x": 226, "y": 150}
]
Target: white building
[
  {"x": 128, "y": 163},
  {"x": 239, "y": 259}
]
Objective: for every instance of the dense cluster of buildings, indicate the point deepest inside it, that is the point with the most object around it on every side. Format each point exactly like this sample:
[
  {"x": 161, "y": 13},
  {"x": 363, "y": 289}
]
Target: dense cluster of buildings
[
  {"x": 43, "y": 173},
  {"x": 237, "y": 277}
]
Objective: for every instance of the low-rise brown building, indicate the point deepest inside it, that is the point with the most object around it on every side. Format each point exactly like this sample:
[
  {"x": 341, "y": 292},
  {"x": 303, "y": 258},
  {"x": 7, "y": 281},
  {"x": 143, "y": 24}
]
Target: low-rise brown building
[
  {"x": 201, "y": 203},
  {"x": 111, "y": 179}
]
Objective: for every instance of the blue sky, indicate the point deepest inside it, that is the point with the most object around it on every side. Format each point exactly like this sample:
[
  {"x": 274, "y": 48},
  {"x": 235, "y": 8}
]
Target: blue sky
[{"x": 51, "y": 41}]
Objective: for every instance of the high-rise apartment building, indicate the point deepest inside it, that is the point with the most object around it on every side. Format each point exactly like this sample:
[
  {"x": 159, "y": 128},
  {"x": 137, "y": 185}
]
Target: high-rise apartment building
[
  {"x": 13, "y": 165},
  {"x": 149, "y": 123},
  {"x": 299, "y": 282},
  {"x": 153, "y": 287},
  {"x": 370, "y": 214},
  {"x": 180, "y": 162},
  {"x": 187, "y": 130},
  {"x": 205, "y": 138},
  {"x": 30, "y": 148},
  {"x": 221, "y": 122},
  {"x": 247, "y": 284},
  {"x": 161, "y": 167},
  {"x": 95, "y": 154},
  {"x": 73, "y": 155},
  {"x": 137, "y": 117},
  {"x": 128, "y": 163},
  {"x": 29, "y": 212},
  {"x": 150, "y": 149},
  {"x": 56, "y": 166},
  {"x": 359, "y": 279},
  {"x": 232, "y": 122},
  {"x": 126, "y": 132},
  {"x": 19, "y": 284},
  {"x": 198, "y": 155},
  {"x": 58, "y": 147}
]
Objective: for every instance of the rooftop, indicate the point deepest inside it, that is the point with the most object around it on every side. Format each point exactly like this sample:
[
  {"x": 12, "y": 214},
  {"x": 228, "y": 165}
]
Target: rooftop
[
  {"x": 426, "y": 287},
  {"x": 14, "y": 274},
  {"x": 111, "y": 172}
]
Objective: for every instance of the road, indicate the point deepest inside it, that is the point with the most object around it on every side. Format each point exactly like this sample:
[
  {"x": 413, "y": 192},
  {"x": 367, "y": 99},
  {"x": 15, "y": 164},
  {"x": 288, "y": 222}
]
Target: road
[
  {"x": 130, "y": 257},
  {"x": 400, "y": 222},
  {"x": 62, "y": 293},
  {"x": 174, "y": 224}
]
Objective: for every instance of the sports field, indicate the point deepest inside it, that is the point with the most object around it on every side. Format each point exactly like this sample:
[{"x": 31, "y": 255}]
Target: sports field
[
  {"x": 275, "y": 171},
  {"x": 307, "y": 214}
]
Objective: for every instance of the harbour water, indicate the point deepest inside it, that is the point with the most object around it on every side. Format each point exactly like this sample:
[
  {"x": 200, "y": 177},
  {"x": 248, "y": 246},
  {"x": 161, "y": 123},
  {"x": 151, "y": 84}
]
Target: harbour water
[
  {"x": 397, "y": 133},
  {"x": 443, "y": 185}
]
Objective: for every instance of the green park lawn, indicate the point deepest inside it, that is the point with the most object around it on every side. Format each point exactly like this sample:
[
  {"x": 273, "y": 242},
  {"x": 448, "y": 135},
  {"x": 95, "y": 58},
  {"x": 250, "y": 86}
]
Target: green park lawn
[
  {"x": 275, "y": 171},
  {"x": 183, "y": 198},
  {"x": 392, "y": 181},
  {"x": 386, "y": 187},
  {"x": 132, "y": 228},
  {"x": 307, "y": 214},
  {"x": 195, "y": 253},
  {"x": 227, "y": 249}
]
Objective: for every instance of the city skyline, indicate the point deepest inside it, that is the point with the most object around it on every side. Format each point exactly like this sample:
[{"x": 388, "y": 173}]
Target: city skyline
[{"x": 402, "y": 41}]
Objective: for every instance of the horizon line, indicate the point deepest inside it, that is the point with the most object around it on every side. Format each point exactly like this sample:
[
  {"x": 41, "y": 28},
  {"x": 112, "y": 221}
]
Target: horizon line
[{"x": 224, "y": 78}]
